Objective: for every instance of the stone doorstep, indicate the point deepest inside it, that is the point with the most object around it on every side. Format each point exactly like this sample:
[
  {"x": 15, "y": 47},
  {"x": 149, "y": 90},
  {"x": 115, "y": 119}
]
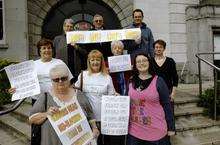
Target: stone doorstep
[
  {"x": 19, "y": 128},
  {"x": 212, "y": 138}
]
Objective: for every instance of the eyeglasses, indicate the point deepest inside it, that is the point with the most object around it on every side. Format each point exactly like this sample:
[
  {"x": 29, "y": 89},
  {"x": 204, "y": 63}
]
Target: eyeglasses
[
  {"x": 142, "y": 61},
  {"x": 98, "y": 21},
  {"x": 61, "y": 79}
]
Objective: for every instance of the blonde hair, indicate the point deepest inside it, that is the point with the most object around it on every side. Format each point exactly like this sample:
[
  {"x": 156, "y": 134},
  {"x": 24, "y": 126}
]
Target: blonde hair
[{"x": 97, "y": 54}]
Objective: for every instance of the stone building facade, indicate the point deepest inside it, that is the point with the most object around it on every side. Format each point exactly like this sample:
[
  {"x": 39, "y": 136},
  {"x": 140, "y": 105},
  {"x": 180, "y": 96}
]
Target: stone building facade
[{"x": 187, "y": 25}]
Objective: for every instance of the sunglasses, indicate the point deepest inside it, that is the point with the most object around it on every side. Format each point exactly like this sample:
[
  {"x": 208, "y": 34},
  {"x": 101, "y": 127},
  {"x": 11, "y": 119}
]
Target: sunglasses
[{"x": 61, "y": 79}]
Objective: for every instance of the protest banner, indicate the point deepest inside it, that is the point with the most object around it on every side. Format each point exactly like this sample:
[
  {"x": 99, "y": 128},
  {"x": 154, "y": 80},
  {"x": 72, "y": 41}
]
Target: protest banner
[
  {"x": 115, "y": 115},
  {"x": 119, "y": 63},
  {"x": 102, "y": 35},
  {"x": 71, "y": 125},
  {"x": 23, "y": 77}
]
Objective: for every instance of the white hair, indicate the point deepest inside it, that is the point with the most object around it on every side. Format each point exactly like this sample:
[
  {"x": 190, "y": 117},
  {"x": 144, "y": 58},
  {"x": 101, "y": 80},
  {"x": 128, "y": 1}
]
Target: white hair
[
  {"x": 117, "y": 43},
  {"x": 69, "y": 21},
  {"x": 59, "y": 69}
]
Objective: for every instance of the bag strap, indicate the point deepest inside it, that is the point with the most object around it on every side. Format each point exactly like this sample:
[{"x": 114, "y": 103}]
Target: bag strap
[
  {"x": 45, "y": 103},
  {"x": 81, "y": 81}
]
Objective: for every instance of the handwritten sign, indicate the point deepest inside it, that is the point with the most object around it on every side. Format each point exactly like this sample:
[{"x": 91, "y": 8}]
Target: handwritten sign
[
  {"x": 97, "y": 36},
  {"x": 23, "y": 77},
  {"x": 71, "y": 125},
  {"x": 119, "y": 63},
  {"x": 115, "y": 115}
]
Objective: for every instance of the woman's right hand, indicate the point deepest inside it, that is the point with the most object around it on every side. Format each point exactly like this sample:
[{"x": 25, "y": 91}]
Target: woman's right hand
[
  {"x": 12, "y": 90},
  {"x": 52, "y": 110}
]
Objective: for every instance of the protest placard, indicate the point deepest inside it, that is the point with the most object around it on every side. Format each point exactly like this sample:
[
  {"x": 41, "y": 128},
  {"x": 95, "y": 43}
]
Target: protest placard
[
  {"x": 119, "y": 63},
  {"x": 115, "y": 115},
  {"x": 23, "y": 77},
  {"x": 102, "y": 35},
  {"x": 71, "y": 125}
]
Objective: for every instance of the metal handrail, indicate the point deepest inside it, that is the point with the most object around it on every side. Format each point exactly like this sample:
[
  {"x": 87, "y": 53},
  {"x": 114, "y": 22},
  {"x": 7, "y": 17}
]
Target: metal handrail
[
  {"x": 215, "y": 80},
  {"x": 16, "y": 105},
  {"x": 13, "y": 108}
]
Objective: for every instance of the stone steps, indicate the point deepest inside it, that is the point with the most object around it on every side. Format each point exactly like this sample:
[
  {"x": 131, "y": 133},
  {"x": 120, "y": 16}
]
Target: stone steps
[
  {"x": 16, "y": 123},
  {"x": 212, "y": 138},
  {"x": 19, "y": 128},
  {"x": 196, "y": 125},
  {"x": 188, "y": 111},
  {"x": 7, "y": 138}
]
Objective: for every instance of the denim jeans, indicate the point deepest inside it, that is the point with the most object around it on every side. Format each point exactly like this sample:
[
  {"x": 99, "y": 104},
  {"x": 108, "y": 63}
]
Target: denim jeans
[{"x": 131, "y": 140}]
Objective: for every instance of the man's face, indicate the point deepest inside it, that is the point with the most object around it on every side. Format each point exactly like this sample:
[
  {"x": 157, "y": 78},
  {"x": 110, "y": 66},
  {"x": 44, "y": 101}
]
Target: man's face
[
  {"x": 68, "y": 27},
  {"x": 138, "y": 18},
  {"x": 98, "y": 22}
]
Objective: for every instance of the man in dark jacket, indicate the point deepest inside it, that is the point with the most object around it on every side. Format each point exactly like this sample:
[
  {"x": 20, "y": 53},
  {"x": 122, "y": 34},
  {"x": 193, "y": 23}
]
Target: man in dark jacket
[
  {"x": 72, "y": 54},
  {"x": 145, "y": 42},
  {"x": 103, "y": 47}
]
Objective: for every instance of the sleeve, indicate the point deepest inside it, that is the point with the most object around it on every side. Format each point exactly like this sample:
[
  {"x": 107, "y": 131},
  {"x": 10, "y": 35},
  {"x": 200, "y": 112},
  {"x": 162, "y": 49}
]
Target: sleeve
[
  {"x": 175, "y": 77},
  {"x": 111, "y": 89},
  {"x": 39, "y": 106},
  {"x": 151, "y": 44},
  {"x": 55, "y": 42},
  {"x": 82, "y": 50},
  {"x": 165, "y": 102}
]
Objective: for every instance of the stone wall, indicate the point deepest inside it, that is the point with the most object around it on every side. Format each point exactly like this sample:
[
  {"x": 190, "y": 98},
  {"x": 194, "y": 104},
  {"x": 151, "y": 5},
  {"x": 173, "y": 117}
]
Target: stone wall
[
  {"x": 201, "y": 21},
  {"x": 16, "y": 44}
]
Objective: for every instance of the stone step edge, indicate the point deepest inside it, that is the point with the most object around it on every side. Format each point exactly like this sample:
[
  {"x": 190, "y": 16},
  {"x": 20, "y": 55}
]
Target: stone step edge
[
  {"x": 180, "y": 102},
  {"x": 19, "y": 133},
  {"x": 199, "y": 111},
  {"x": 201, "y": 126},
  {"x": 215, "y": 142}
]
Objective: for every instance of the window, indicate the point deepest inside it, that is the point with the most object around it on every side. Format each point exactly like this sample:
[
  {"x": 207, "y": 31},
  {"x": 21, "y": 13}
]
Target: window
[{"x": 2, "y": 20}]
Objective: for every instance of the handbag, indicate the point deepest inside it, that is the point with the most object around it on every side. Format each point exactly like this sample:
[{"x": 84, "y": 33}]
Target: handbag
[{"x": 36, "y": 129}]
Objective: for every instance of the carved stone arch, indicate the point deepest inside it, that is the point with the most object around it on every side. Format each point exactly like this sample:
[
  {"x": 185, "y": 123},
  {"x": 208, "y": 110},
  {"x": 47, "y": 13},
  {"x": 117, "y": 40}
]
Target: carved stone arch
[{"x": 38, "y": 10}]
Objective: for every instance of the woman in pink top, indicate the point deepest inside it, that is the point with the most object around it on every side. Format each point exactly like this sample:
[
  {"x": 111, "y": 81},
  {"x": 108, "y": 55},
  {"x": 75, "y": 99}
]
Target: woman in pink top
[{"x": 151, "y": 119}]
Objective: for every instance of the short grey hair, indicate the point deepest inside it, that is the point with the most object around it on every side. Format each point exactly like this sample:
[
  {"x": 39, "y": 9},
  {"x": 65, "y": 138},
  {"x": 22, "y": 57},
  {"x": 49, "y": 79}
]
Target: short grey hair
[
  {"x": 119, "y": 43},
  {"x": 59, "y": 69},
  {"x": 97, "y": 15},
  {"x": 70, "y": 21}
]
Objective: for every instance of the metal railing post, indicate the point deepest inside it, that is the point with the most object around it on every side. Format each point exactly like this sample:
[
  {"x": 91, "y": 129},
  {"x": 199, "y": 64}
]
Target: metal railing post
[
  {"x": 200, "y": 77},
  {"x": 215, "y": 93}
]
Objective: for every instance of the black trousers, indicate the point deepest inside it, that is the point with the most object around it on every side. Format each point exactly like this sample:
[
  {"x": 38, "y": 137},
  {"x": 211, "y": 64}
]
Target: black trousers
[{"x": 35, "y": 131}]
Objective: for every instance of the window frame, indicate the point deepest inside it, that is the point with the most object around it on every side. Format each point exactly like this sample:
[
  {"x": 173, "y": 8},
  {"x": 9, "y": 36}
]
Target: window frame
[{"x": 3, "y": 40}]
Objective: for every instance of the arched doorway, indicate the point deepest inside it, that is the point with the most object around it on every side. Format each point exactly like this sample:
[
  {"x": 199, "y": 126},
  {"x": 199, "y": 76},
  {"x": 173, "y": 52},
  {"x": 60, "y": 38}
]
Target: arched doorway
[{"x": 82, "y": 12}]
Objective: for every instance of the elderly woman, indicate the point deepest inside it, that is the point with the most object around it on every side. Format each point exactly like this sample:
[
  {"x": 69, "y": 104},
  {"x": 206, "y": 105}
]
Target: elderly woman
[
  {"x": 60, "y": 95},
  {"x": 151, "y": 118},
  {"x": 96, "y": 82},
  {"x": 43, "y": 66},
  {"x": 120, "y": 79}
]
